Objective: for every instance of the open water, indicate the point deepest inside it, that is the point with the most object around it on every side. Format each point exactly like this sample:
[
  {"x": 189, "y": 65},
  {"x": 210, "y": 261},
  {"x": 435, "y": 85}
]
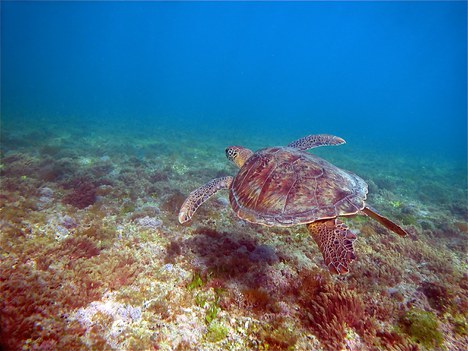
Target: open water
[
  {"x": 166, "y": 86},
  {"x": 383, "y": 75}
]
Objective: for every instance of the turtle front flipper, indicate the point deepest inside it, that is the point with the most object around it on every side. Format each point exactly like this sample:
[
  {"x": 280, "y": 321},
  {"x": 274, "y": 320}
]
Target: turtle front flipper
[
  {"x": 200, "y": 195},
  {"x": 335, "y": 241},
  {"x": 372, "y": 213},
  {"x": 316, "y": 140}
]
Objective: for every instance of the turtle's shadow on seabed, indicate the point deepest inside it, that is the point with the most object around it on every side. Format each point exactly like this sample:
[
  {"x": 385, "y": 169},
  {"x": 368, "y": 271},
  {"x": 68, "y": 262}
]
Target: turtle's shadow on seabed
[{"x": 230, "y": 257}]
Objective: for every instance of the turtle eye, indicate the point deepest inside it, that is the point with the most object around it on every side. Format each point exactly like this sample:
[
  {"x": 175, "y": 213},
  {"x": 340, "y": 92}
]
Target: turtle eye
[
  {"x": 238, "y": 155},
  {"x": 231, "y": 153}
]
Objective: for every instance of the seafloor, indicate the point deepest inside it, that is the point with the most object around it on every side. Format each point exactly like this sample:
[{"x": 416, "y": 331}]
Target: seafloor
[{"x": 93, "y": 258}]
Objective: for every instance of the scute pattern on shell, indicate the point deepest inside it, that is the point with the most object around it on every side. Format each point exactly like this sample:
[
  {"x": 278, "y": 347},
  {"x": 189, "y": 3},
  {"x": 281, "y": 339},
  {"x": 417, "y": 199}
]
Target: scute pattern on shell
[{"x": 284, "y": 186}]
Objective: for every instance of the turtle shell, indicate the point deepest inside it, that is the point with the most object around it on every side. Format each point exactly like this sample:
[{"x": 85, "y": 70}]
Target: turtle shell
[{"x": 283, "y": 186}]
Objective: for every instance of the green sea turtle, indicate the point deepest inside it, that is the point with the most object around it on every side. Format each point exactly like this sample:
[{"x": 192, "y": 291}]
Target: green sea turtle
[{"x": 286, "y": 186}]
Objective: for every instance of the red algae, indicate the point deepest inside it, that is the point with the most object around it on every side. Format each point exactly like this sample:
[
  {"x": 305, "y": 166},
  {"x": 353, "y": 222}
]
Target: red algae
[
  {"x": 462, "y": 226},
  {"x": 82, "y": 194}
]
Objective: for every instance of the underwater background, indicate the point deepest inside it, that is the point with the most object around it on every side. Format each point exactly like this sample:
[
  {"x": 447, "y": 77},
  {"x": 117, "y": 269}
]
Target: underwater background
[{"x": 113, "y": 112}]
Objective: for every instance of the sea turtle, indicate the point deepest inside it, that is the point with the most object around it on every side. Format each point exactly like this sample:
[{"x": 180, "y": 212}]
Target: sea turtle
[{"x": 286, "y": 186}]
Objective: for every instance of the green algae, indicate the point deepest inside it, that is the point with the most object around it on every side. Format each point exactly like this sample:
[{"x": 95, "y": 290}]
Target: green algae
[
  {"x": 212, "y": 312},
  {"x": 196, "y": 282},
  {"x": 200, "y": 300},
  {"x": 408, "y": 219},
  {"x": 127, "y": 208},
  {"x": 216, "y": 332},
  {"x": 422, "y": 327},
  {"x": 460, "y": 325}
]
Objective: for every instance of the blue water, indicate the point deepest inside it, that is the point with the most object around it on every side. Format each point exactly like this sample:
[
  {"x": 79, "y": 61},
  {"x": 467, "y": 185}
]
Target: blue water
[
  {"x": 113, "y": 112},
  {"x": 387, "y": 76}
]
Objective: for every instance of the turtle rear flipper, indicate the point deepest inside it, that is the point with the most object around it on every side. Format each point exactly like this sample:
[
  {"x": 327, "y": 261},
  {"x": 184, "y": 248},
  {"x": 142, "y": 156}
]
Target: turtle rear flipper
[
  {"x": 384, "y": 221},
  {"x": 316, "y": 140},
  {"x": 335, "y": 241},
  {"x": 197, "y": 197}
]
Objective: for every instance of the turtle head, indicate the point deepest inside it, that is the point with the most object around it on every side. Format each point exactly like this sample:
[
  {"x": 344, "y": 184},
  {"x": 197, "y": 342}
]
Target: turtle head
[{"x": 238, "y": 155}]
